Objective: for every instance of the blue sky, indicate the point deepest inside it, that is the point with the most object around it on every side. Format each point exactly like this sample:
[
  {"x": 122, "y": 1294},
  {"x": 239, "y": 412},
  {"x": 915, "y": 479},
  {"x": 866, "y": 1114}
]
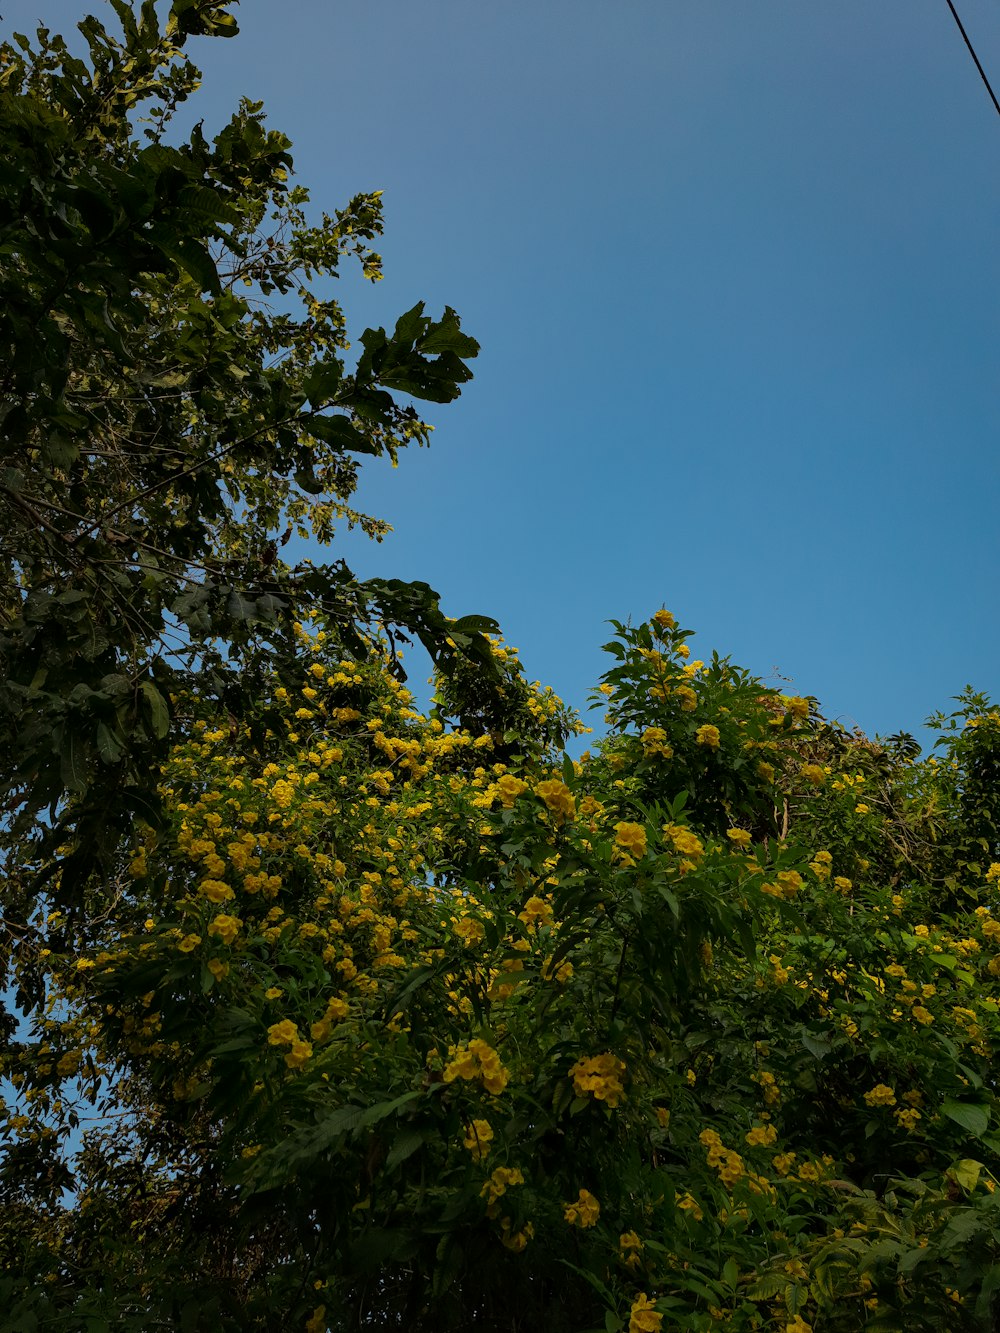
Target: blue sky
[{"x": 735, "y": 271}]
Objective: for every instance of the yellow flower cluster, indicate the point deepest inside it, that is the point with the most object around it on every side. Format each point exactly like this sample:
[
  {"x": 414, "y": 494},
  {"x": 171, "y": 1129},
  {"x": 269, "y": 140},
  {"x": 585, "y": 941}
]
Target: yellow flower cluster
[
  {"x": 787, "y": 884},
  {"x": 654, "y": 742},
  {"x": 513, "y": 1240},
  {"x": 584, "y": 1212},
  {"x": 558, "y": 797},
  {"x": 286, "y": 1033},
  {"x": 631, "y": 839},
  {"x": 820, "y": 865},
  {"x": 337, "y": 1009},
  {"x": 880, "y": 1095},
  {"x": 601, "y": 1076},
  {"x": 907, "y": 1118},
  {"x": 643, "y": 1316},
  {"x": 684, "y": 841},
  {"x": 478, "y": 1137},
  {"x": 509, "y": 789},
  {"x": 762, "y": 1136},
  {"x": 502, "y": 1179},
  {"x": 536, "y": 912},
  {"x": 630, "y": 1247},
  {"x": 226, "y": 927},
  {"x": 469, "y": 930},
  {"x": 477, "y": 1060},
  {"x": 728, "y": 1164},
  {"x": 687, "y": 698}
]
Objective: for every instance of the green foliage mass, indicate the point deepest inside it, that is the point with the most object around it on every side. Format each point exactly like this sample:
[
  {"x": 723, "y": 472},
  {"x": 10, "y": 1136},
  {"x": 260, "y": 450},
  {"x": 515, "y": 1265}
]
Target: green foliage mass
[
  {"x": 334, "y": 1015},
  {"x": 176, "y": 402}
]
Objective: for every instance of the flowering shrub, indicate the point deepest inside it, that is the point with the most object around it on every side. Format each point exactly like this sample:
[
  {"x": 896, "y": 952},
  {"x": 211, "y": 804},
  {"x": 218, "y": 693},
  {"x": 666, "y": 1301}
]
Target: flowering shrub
[{"x": 435, "y": 1010}]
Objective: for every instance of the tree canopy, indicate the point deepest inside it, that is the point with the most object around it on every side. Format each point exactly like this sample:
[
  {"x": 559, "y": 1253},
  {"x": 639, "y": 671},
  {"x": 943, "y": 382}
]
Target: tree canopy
[
  {"x": 330, "y": 1012},
  {"x": 176, "y": 404}
]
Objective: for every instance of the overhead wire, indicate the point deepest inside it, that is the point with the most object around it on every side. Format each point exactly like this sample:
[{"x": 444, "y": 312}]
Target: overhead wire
[{"x": 972, "y": 52}]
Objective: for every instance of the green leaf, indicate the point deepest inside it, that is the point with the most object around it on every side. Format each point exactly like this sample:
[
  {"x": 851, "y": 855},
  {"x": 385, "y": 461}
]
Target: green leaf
[
  {"x": 447, "y": 336},
  {"x": 816, "y": 1046},
  {"x": 404, "y": 1146},
  {"x": 967, "y": 1172},
  {"x": 339, "y": 433},
  {"x": 108, "y": 746},
  {"x": 158, "y": 711},
  {"x": 72, "y": 762},
  {"x": 972, "y": 1116}
]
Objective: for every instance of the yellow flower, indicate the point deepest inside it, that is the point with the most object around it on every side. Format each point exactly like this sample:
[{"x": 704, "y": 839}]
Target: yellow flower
[
  {"x": 707, "y": 735},
  {"x": 798, "y": 708},
  {"x": 515, "y": 1240},
  {"x": 558, "y": 797},
  {"x": 188, "y": 943},
  {"x": 688, "y": 698},
  {"x": 922, "y": 1015},
  {"x": 510, "y": 788},
  {"x": 477, "y": 1139},
  {"x": 654, "y": 742},
  {"x": 644, "y": 1317},
  {"x": 762, "y": 1136},
  {"x": 684, "y": 841},
  {"x": 814, "y": 773},
  {"x": 215, "y": 890},
  {"x": 862, "y": 809},
  {"x": 765, "y": 771},
  {"x": 499, "y": 1182},
  {"x": 469, "y": 930},
  {"x": 584, "y": 1212},
  {"x": 601, "y": 1076},
  {"x": 631, "y": 838},
  {"x": 738, "y": 836},
  {"x": 477, "y": 1059},
  {"x": 301, "y": 1051},
  {"x": 218, "y": 968},
  {"x": 629, "y": 1247},
  {"x": 881, "y": 1095},
  {"x": 664, "y": 619},
  {"x": 790, "y": 882},
  {"x": 908, "y": 1118},
  {"x": 226, "y": 927},
  {"x": 316, "y": 1323},
  {"x": 536, "y": 912}
]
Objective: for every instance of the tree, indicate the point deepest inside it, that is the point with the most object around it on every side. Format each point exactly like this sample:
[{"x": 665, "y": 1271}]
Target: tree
[
  {"x": 335, "y": 1015},
  {"x": 394, "y": 1028},
  {"x": 176, "y": 403}
]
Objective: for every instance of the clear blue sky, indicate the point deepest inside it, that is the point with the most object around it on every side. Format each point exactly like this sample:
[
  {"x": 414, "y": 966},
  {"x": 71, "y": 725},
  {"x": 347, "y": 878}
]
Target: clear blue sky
[{"x": 735, "y": 270}]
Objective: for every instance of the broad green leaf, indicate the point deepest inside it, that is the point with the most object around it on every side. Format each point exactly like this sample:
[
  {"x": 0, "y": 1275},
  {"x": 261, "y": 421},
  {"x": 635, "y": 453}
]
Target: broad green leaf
[
  {"x": 158, "y": 710},
  {"x": 971, "y": 1116}
]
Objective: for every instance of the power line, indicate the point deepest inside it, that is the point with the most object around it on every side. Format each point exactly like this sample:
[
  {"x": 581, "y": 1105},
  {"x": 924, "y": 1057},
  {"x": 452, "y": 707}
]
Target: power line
[{"x": 972, "y": 52}]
